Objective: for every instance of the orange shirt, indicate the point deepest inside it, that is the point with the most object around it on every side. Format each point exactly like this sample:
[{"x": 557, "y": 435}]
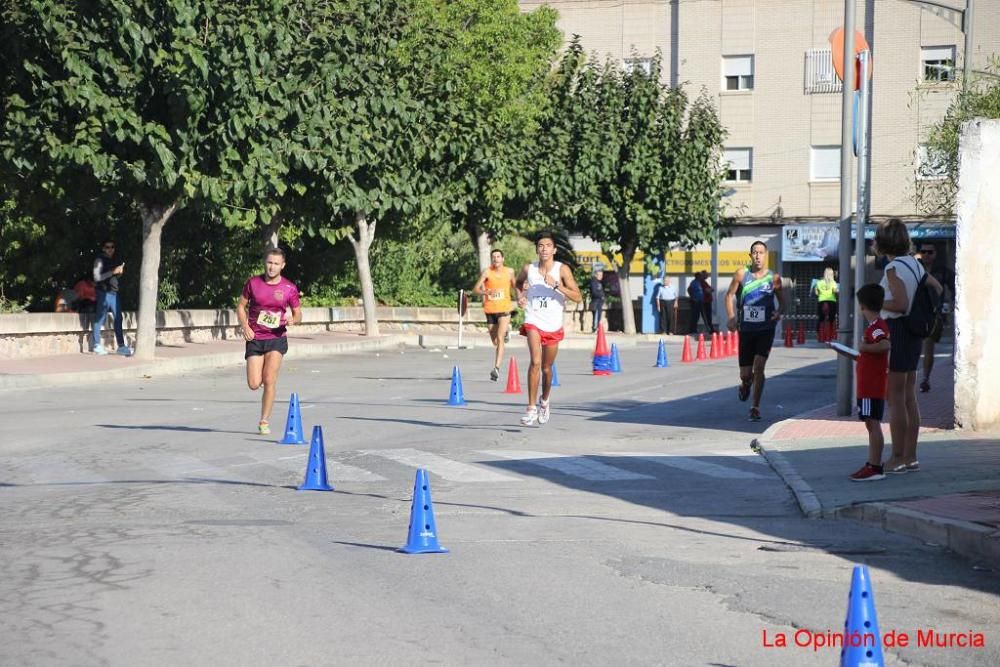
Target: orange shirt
[{"x": 496, "y": 291}]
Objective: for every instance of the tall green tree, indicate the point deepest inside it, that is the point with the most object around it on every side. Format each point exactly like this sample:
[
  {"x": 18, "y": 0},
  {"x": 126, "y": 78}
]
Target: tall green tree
[
  {"x": 158, "y": 103},
  {"x": 642, "y": 167},
  {"x": 498, "y": 61},
  {"x": 980, "y": 99}
]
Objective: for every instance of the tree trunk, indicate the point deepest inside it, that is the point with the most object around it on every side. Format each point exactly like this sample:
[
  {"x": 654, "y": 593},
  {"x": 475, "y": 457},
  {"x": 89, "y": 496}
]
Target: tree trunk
[
  {"x": 153, "y": 220},
  {"x": 361, "y": 244},
  {"x": 271, "y": 233},
  {"x": 481, "y": 239},
  {"x": 628, "y": 313}
]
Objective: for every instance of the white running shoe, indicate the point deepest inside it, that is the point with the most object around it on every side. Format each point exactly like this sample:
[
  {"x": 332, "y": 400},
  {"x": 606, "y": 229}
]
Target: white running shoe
[
  {"x": 530, "y": 416},
  {"x": 543, "y": 411},
  {"x": 100, "y": 350}
]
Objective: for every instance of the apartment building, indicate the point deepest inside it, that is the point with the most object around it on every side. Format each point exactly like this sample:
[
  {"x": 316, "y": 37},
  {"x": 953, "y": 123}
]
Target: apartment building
[{"x": 768, "y": 65}]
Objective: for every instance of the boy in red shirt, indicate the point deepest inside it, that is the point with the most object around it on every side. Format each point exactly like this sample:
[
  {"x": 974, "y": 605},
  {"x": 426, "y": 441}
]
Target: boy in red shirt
[{"x": 872, "y": 373}]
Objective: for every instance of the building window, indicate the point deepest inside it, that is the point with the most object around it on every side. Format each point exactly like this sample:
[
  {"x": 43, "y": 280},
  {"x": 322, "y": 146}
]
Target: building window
[
  {"x": 737, "y": 72},
  {"x": 820, "y": 75},
  {"x": 930, "y": 166},
  {"x": 938, "y": 63},
  {"x": 631, "y": 64},
  {"x": 824, "y": 163},
  {"x": 739, "y": 164}
]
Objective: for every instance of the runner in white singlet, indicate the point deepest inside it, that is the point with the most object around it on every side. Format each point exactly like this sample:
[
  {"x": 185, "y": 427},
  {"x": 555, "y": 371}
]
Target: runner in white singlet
[{"x": 544, "y": 287}]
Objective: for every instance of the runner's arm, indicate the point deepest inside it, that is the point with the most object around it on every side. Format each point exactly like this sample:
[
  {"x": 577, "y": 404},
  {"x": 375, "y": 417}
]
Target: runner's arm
[
  {"x": 241, "y": 315},
  {"x": 296, "y": 316},
  {"x": 515, "y": 293},
  {"x": 568, "y": 287},
  {"x": 478, "y": 289},
  {"x": 780, "y": 294},
  {"x": 522, "y": 277},
  {"x": 734, "y": 285}
]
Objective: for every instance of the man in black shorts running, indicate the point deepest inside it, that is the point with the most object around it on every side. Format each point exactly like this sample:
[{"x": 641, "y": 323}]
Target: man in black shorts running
[{"x": 754, "y": 303}]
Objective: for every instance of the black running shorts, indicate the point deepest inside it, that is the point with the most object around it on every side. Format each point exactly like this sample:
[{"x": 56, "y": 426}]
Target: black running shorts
[
  {"x": 257, "y": 348},
  {"x": 754, "y": 344}
]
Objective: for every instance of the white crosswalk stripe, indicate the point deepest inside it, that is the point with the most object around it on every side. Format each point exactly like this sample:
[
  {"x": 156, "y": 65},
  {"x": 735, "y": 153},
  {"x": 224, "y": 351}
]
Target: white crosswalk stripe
[
  {"x": 690, "y": 464},
  {"x": 453, "y": 471},
  {"x": 576, "y": 466}
]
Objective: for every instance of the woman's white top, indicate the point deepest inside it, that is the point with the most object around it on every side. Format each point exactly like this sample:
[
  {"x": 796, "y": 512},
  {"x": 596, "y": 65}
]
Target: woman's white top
[
  {"x": 909, "y": 270},
  {"x": 545, "y": 305}
]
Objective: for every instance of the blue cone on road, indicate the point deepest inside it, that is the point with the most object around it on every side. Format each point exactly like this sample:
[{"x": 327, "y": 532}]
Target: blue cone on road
[
  {"x": 422, "y": 538},
  {"x": 555, "y": 376},
  {"x": 293, "y": 425},
  {"x": 316, "y": 465},
  {"x": 456, "y": 397},
  {"x": 661, "y": 356},
  {"x": 862, "y": 641},
  {"x": 616, "y": 364}
]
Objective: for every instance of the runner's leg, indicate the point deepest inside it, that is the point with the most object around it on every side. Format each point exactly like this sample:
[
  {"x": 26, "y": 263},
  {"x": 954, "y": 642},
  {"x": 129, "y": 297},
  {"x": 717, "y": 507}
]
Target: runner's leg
[
  {"x": 549, "y": 353},
  {"x": 255, "y": 369},
  {"x": 535, "y": 367},
  {"x": 503, "y": 324},
  {"x": 758, "y": 379},
  {"x": 272, "y": 364}
]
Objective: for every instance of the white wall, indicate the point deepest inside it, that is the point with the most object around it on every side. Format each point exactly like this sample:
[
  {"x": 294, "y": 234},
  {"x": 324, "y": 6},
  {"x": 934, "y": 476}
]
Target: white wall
[{"x": 977, "y": 316}]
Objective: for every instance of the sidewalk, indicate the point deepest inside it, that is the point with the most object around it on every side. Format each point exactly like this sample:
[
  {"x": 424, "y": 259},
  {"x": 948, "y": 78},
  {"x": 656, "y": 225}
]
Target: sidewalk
[
  {"x": 71, "y": 369},
  {"x": 952, "y": 501}
]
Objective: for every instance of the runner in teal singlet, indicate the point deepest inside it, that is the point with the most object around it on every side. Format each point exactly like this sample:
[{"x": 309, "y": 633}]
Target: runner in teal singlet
[{"x": 760, "y": 304}]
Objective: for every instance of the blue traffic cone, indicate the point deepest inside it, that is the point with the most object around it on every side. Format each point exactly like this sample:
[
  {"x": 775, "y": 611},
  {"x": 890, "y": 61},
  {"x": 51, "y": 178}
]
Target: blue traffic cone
[
  {"x": 555, "y": 376},
  {"x": 422, "y": 538},
  {"x": 862, "y": 641},
  {"x": 456, "y": 397},
  {"x": 616, "y": 364},
  {"x": 316, "y": 465},
  {"x": 661, "y": 356},
  {"x": 293, "y": 426}
]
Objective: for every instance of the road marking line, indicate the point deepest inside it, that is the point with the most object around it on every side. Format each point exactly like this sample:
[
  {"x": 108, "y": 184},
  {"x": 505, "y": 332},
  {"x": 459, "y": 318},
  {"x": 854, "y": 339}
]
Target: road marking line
[
  {"x": 568, "y": 464},
  {"x": 451, "y": 470},
  {"x": 690, "y": 464}
]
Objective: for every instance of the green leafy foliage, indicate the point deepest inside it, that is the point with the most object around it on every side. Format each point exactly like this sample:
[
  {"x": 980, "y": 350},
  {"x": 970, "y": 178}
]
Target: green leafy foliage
[{"x": 981, "y": 99}]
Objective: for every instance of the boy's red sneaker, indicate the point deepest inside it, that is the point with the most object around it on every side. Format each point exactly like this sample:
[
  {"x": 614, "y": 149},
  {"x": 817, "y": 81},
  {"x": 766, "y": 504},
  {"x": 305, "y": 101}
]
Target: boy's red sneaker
[{"x": 868, "y": 473}]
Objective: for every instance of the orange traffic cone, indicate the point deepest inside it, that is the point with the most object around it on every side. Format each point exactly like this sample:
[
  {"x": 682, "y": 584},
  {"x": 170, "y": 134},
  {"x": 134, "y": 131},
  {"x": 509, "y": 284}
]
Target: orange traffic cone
[
  {"x": 736, "y": 342},
  {"x": 788, "y": 337},
  {"x": 715, "y": 349},
  {"x": 513, "y": 381},
  {"x": 802, "y": 333},
  {"x": 701, "y": 356},
  {"x": 731, "y": 343},
  {"x": 686, "y": 351},
  {"x": 602, "y": 355}
]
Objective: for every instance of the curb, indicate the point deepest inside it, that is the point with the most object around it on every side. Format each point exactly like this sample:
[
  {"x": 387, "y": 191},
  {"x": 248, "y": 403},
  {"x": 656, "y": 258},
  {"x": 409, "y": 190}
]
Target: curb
[
  {"x": 808, "y": 501},
  {"x": 968, "y": 539},
  {"x": 184, "y": 364}
]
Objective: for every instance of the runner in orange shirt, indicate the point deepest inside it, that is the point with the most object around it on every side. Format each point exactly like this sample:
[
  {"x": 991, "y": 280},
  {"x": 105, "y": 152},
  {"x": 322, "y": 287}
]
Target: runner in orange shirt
[{"x": 496, "y": 286}]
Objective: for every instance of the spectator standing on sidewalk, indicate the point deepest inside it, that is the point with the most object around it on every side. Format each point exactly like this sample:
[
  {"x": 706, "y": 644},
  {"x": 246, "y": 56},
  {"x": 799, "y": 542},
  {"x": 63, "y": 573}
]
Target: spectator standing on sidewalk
[
  {"x": 826, "y": 291},
  {"x": 900, "y": 280},
  {"x": 597, "y": 296},
  {"x": 666, "y": 306},
  {"x": 708, "y": 301},
  {"x": 696, "y": 297},
  {"x": 107, "y": 269},
  {"x": 928, "y": 255},
  {"x": 872, "y": 379}
]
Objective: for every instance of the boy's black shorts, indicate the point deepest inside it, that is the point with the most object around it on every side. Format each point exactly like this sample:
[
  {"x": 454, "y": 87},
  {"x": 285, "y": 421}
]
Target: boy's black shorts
[
  {"x": 256, "y": 348},
  {"x": 871, "y": 408}
]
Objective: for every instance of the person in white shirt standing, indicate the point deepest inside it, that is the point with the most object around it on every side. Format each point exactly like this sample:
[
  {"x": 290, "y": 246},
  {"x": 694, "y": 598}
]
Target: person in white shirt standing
[
  {"x": 544, "y": 287},
  {"x": 666, "y": 306}
]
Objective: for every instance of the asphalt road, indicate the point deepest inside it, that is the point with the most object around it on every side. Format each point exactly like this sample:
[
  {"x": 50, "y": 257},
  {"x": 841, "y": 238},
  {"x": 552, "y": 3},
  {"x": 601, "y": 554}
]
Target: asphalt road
[{"x": 145, "y": 523}]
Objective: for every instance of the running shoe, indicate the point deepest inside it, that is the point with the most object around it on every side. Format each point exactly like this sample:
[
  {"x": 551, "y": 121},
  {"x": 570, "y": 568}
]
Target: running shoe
[
  {"x": 495, "y": 373},
  {"x": 543, "y": 411},
  {"x": 925, "y": 386},
  {"x": 530, "y": 416},
  {"x": 868, "y": 473},
  {"x": 744, "y": 391},
  {"x": 913, "y": 467},
  {"x": 264, "y": 428},
  {"x": 100, "y": 350},
  {"x": 899, "y": 469},
  {"x": 124, "y": 351},
  {"x": 754, "y": 415}
]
